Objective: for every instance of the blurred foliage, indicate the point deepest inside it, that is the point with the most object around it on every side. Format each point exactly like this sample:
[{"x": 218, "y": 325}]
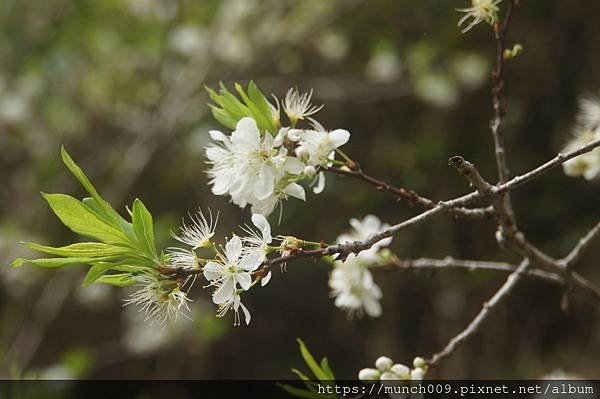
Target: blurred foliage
[{"x": 120, "y": 83}]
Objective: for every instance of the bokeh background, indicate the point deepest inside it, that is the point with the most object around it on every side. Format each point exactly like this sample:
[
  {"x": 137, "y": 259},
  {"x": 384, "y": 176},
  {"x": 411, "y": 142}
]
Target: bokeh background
[{"x": 120, "y": 84}]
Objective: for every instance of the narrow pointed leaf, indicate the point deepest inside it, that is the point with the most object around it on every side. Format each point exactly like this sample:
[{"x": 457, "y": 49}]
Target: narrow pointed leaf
[
  {"x": 81, "y": 220},
  {"x": 310, "y": 361},
  {"x": 144, "y": 227}
]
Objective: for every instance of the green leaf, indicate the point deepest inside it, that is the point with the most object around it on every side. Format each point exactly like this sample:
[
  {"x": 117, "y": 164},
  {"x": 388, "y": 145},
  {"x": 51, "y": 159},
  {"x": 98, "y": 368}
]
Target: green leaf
[
  {"x": 102, "y": 207},
  {"x": 263, "y": 121},
  {"x": 82, "y": 220},
  {"x": 326, "y": 369},
  {"x": 118, "y": 280},
  {"x": 300, "y": 374},
  {"x": 96, "y": 272},
  {"x": 18, "y": 262},
  {"x": 262, "y": 104},
  {"x": 310, "y": 361},
  {"x": 60, "y": 262},
  {"x": 144, "y": 227},
  {"x": 82, "y": 249}
]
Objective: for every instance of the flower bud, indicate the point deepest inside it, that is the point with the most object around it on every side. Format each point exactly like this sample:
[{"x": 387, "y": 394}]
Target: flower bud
[
  {"x": 389, "y": 376},
  {"x": 310, "y": 171},
  {"x": 419, "y": 363},
  {"x": 302, "y": 153},
  {"x": 401, "y": 371},
  {"x": 368, "y": 375},
  {"x": 384, "y": 363},
  {"x": 417, "y": 374},
  {"x": 294, "y": 135}
]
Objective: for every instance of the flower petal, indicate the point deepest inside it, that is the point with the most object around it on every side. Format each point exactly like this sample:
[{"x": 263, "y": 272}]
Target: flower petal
[
  {"x": 252, "y": 260},
  {"x": 265, "y": 183},
  {"x": 263, "y": 225},
  {"x": 213, "y": 270},
  {"x": 244, "y": 279},
  {"x": 233, "y": 248},
  {"x": 246, "y": 313},
  {"x": 246, "y": 136},
  {"x": 225, "y": 292},
  {"x": 320, "y": 183},
  {"x": 294, "y": 166},
  {"x": 295, "y": 190},
  {"x": 339, "y": 137},
  {"x": 265, "y": 280}
]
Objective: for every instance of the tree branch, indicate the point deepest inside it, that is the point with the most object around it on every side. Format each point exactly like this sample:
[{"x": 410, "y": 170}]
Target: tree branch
[
  {"x": 411, "y": 197},
  {"x": 584, "y": 243},
  {"x": 487, "y": 308}
]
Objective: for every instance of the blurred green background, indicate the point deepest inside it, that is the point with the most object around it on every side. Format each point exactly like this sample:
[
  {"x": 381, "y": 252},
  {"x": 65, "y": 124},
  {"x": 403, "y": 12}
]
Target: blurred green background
[{"x": 120, "y": 83}]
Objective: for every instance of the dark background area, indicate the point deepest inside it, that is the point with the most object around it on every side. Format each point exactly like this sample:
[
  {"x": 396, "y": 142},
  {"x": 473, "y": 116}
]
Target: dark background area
[{"x": 120, "y": 84}]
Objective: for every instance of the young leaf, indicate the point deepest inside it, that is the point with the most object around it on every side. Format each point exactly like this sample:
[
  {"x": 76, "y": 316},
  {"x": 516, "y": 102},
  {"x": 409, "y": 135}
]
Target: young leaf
[
  {"x": 96, "y": 272},
  {"x": 326, "y": 369},
  {"x": 60, "y": 262},
  {"x": 118, "y": 280},
  {"x": 102, "y": 207},
  {"x": 81, "y": 220},
  {"x": 144, "y": 227},
  {"x": 310, "y": 361},
  {"x": 83, "y": 249}
]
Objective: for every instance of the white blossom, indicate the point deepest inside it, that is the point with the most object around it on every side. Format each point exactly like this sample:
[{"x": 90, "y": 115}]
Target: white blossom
[
  {"x": 234, "y": 303},
  {"x": 256, "y": 244},
  {"x": 480, "y": 10},
  {"x": 230, "y": 271},
  {"x": 353, "y": 287},
  {"x": 589, "y": 112},
  {"x": 297, "y": 106},
  {"x": 363, "y": 230},
  {"x": 159, "y": 300},
  {"x": 316, "y": 146},
  {"x": 199, "y": 232},
  {"x": 586, "y": 130},
  {"x": 252, "y": 169},
  {"x": 351, "y": 282}
]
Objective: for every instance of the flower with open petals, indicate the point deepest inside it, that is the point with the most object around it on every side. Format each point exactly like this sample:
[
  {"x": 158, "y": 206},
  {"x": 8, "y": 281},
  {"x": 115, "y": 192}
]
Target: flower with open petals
[
  {"x": 480, "y": 11},
  {"x": 256, "y": 244},
  {"x": 353, "y": 287},
  {"x": 230, "y": 272},
  {"x": 252, "y": 169},
  {"x": 234, "y": 303}
]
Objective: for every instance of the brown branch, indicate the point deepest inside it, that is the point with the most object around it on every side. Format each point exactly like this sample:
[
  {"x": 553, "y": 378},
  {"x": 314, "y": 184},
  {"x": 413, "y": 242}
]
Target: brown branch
[
  {"x": 487, "y": 308},
  {"x": 498, "y": 93},
  {"x": 579, "y": 282},
  {"x": 584, "y": 243},
  {"x": 411, "y": 197},
  {"x": 428, "y": 264}
]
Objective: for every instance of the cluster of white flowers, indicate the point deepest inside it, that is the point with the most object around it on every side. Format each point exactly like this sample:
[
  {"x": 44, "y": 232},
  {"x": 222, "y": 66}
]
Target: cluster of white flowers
[
  {"x": 586, "y": 130},
  {"x": 261, "y": 168},
  {"x": 386, "y": 370},
  {"x": 351, "y": 282},
  {"x": 480, "y": 11},
  {"x": 228, "y": 270}
]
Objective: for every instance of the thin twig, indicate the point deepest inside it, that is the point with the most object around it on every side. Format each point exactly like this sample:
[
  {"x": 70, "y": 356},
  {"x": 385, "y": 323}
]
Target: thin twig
[
  {"x": 411, "y": 197},
  {"x": 428, "y": 264},
  {"x": 581, "y": 246},
  {"x": 487, "y": 308}
]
